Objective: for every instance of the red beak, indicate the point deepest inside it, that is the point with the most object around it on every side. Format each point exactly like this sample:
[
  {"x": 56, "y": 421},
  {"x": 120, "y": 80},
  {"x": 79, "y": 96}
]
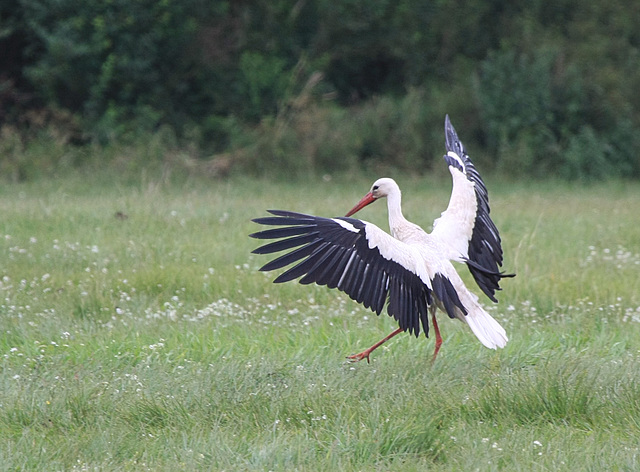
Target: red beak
[{"x": 366, "y": 200}]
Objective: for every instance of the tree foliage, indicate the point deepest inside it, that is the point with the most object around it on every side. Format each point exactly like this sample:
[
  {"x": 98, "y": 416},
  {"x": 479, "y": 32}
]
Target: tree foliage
[{"x": 539, "y": 88}]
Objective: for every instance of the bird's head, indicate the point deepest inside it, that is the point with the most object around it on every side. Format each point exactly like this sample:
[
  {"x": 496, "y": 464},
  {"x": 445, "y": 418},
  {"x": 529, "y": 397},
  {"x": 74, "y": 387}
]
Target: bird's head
[{"x": 380, "y": 189}]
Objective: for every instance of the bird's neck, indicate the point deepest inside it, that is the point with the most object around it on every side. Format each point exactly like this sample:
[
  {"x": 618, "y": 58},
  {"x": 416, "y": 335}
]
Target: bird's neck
[{"x": 394, "y": 207}]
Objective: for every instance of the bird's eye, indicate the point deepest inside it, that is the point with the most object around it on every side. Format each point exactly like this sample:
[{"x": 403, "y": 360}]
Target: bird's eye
[{"x": 375, "y": 187}]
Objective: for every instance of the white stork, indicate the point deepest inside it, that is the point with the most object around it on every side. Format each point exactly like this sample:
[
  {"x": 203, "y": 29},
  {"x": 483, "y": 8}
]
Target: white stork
[{"x": 411, "y": 269}]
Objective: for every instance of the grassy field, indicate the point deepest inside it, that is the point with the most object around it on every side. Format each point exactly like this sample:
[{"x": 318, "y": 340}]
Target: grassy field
[{"x": 137, "y": 334}]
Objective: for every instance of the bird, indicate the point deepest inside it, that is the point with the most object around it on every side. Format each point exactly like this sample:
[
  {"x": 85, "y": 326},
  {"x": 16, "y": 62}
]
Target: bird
[{"x": 409, "y": 270}]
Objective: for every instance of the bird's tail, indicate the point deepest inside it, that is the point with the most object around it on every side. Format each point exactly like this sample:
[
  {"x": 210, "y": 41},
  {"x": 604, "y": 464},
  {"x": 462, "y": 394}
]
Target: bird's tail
[{"x": 486, "y": 329}]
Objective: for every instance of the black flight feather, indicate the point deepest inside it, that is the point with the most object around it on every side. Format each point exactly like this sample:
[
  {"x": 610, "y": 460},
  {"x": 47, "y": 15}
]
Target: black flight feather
[{"x": 329, "y": 253}]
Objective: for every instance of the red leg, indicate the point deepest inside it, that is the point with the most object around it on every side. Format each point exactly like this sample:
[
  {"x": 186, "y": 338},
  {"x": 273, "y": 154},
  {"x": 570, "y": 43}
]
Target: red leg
[
  {"x": 365, "y": 354},
  {"x": 438, "y": 337}
]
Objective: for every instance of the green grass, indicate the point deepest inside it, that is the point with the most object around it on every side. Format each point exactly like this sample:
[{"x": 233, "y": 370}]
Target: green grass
[{"x": 152, "y": 342}]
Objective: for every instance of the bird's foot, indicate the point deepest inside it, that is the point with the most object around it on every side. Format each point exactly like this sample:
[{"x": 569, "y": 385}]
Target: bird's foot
[{"x": 362, "y": 355}]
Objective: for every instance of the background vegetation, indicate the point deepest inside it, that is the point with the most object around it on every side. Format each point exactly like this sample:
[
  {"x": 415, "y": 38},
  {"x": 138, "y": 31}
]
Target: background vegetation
[{"x": 298, "y": 86}]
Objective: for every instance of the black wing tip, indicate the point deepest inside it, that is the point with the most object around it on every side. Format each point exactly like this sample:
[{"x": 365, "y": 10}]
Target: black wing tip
[
  {"x": 283, "y": 218},
  {"x": 273, "y": 212},
  {"x": 451, "y": 162},
  {"x": 451, "y": 137},
  {"x": 488, "y": 280},
  {"x": 487, "y": 271},
  {"x": 284, "y": 214},
  {"x": 257, "y": 235},
  {"x": 447, "y": 294}
]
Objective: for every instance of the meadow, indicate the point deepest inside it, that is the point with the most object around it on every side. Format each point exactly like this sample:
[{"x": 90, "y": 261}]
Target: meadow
[{"x": 136, "y": 333}]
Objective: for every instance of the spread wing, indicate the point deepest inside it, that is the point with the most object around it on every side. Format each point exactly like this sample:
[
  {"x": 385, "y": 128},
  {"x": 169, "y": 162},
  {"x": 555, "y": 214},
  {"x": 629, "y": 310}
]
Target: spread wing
[
  {"x": 466, "y": 225},
  {"x": 359, "y": 259}
]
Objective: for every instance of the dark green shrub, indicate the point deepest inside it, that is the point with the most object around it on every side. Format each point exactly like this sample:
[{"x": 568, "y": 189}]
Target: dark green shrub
[
  {"x": 264, "y": 83},
  {"x": 555, "y": 85},
  {"x": 586, "y": 157},
  {"x": 116, "y": 61},
  {"x": 540, "y": 118}
]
